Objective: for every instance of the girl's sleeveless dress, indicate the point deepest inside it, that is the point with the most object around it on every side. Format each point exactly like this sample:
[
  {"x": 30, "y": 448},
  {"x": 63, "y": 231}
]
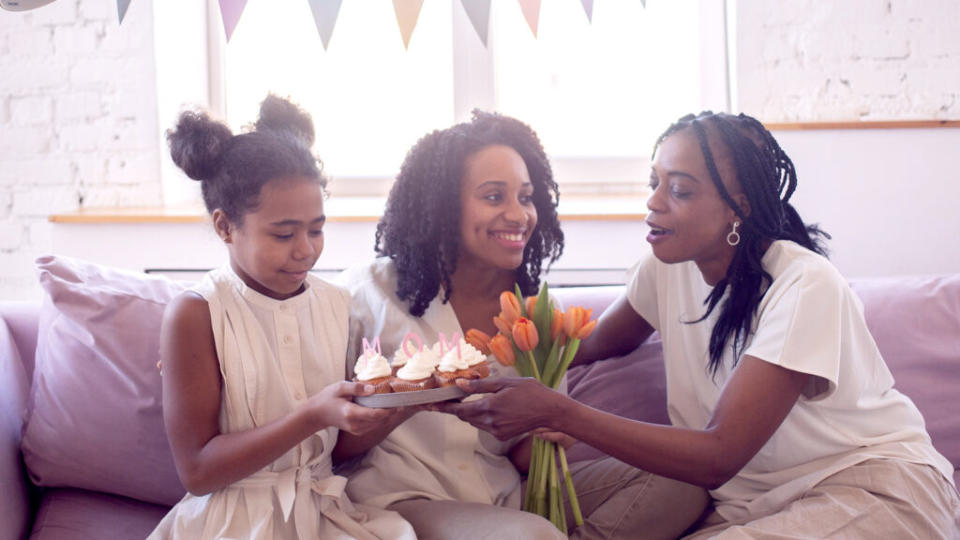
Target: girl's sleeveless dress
[{"x": 273, "y": 355}]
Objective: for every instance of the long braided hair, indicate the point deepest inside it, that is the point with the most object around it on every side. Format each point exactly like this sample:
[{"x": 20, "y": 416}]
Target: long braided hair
[
  {"x": 420, "y": 228},
  {"x": 768, "y": 179}
]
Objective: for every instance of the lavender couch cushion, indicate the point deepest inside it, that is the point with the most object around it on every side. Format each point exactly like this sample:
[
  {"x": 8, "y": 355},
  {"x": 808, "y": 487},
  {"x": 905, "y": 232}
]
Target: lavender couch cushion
[
  {"x": 914, "y": 320},
  {"x": 916, "y": 324},
  {"x": 14, "y": 507},
  {"x": 75, "y": 514},
  {"x": 94, "y": 418},
  {"x": 632, "y": 386}
]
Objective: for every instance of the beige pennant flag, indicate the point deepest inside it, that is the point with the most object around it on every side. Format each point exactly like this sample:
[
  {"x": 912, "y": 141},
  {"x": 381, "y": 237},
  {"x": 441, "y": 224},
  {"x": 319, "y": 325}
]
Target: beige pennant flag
[
  {"x": 407, "y": 12},
  {"x": 531, "y": 12}
]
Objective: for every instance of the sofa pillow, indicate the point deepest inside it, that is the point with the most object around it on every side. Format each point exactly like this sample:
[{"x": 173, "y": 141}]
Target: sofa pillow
[
  {"x": 916, "y": 324},
  {"x": 632, "y": 386},
  {"x": 94, "y": 414}
]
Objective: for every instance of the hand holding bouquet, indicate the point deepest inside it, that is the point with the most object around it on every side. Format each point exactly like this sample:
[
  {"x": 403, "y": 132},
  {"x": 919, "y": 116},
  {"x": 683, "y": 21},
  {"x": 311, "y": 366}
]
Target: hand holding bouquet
[{"x": 540, "y": 341}]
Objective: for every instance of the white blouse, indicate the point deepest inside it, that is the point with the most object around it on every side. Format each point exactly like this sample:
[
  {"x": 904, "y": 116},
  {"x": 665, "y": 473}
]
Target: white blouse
[
  {"x": 809, "y": 321},
  {"x": 432, "y": 455}
]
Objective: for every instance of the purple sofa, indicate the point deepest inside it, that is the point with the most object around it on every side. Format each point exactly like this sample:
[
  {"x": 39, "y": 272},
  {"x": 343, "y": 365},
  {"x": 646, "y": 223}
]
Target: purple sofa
[{"x": 82, "y": 449}]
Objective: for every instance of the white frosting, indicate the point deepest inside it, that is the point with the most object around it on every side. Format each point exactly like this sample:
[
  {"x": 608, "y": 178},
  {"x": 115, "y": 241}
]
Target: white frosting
[
  {"x": 468, "y": 356},
  {"x": 371, "y": 365},
  {"x": 419, "y": 366},
  {"x": 399, "y": 358}
]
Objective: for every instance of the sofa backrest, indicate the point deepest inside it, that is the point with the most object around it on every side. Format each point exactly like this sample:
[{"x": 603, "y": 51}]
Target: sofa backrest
[
  {"x": 914, "y": 320},
  {"x": 916, "y": 324},
  {"x": 21, "y": 321}
]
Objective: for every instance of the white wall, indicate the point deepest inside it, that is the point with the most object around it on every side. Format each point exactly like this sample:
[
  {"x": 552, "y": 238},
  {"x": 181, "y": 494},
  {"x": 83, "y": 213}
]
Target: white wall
[
  {"x": 78, "y": 118},
  {"x": 887, "y": 196},
  {"x": 78, "y": 122}
]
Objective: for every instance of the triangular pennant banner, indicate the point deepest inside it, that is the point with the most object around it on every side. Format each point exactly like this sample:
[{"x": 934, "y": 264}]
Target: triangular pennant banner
[
  {"x": 531, "y": 12},
  {"x": 230, "y": 11},
  {"x": 325, "y": 17},
  {"x": 588, "y": 7},
  {"x": 407, "y": 12},
  {"x": 122, "y": 6},
  {"x": 478, "y": 11}
]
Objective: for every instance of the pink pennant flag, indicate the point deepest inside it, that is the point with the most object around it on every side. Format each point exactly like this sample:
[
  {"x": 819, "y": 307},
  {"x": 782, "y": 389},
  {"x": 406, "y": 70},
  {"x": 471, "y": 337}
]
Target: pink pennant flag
[
  {"x": 478, "y": 11},
  {"x": 230, "y": 11},
  {"x": 531, "y": 12},
  {"x": 407, "y": 12},
  {"x": 122, "y": 6},
  {"x": 588, "y": 7},
  {"x": 325, "y": 17}
]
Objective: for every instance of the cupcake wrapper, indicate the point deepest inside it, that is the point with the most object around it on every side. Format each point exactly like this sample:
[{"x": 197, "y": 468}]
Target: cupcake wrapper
[{"x": 401, "y": 385}]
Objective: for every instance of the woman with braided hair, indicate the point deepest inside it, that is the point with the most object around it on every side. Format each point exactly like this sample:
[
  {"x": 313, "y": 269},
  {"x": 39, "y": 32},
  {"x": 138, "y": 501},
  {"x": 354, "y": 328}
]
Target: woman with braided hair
[
  {"x": 779, "y": 400},
  {"x": 472, "y": 212}
]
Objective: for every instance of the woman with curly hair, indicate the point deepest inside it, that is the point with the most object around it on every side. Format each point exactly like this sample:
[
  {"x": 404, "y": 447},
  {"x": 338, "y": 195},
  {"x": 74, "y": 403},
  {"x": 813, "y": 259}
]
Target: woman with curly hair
[
  {"x": 473, "y": 211},
  {"x": 780, "y": 402}
]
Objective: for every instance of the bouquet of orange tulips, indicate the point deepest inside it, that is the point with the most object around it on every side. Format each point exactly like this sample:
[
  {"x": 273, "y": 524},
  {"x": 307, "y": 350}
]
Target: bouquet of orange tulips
[{"x": 540, "y": 341}]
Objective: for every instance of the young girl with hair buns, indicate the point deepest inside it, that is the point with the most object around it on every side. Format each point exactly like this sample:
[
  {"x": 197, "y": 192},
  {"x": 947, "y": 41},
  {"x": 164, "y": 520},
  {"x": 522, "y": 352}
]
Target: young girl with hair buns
[{"x": 253, "y": 356}]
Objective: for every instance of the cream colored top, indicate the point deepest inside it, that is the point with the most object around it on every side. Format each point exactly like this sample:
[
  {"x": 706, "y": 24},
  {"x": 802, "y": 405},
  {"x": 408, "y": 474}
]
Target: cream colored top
[
  {"x": 275, "y": 354},
  {"x": 810, "y": 321},
  {"x": 432, "y": 455}
]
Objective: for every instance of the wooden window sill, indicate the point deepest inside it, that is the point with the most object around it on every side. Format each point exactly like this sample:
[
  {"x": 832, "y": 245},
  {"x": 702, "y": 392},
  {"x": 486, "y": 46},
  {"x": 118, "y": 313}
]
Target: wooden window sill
[{"x": 349, "y": 210}]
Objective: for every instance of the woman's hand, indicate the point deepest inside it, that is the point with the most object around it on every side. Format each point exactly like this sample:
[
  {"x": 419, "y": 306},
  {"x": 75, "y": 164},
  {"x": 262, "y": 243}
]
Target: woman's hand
[
  {"x": 515, "y": 406},
  {"x": 334, "y": 406},
  {"x": 564, "y": 440}
]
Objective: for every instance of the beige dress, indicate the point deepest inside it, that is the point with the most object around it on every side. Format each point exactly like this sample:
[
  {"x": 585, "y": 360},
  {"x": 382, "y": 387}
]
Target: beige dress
[
  {"x": 432, "y": 455},
  {"x": 273, "y": 355}
]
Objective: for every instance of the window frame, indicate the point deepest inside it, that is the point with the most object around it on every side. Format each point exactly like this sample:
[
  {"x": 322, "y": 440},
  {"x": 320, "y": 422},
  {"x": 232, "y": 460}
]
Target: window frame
[{"x": 473, "y": 86}]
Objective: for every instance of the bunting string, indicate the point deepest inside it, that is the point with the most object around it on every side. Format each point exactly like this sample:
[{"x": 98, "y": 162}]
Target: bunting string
[{"x": 325, "y": 13}]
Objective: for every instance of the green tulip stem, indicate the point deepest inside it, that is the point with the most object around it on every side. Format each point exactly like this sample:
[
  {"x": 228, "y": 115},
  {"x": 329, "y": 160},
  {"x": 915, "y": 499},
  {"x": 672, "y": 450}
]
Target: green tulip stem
[
  {"x": 568, "y": 480},
  {"x": 533, "y": 365}
]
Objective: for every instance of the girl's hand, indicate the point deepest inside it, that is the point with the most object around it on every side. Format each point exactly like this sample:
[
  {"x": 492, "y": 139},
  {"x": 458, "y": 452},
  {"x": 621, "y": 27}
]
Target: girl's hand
[
  {"x": 334, "y": 406},
  {"x": 515, "y": 406}
]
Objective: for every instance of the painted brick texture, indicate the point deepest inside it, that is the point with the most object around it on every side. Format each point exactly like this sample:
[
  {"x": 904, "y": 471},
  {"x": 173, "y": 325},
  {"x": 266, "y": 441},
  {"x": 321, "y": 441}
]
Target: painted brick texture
[
  {"x": 810, "y": 60},
  {"x": 78, "y": 122}
]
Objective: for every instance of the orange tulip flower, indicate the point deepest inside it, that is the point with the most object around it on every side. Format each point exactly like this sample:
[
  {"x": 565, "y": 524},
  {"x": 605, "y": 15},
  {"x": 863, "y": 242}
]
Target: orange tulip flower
[
  {"x": 530, "y": 304},
  {"x": 525, "y": 334},
  {"x": 586, "y": 330},
  {"x": 480, "y": 340},
  {"x": 509, "y": 307},
  {"x": 503, "y": 326},
  {"x": 502, "y": 349},
  {"x": 574, "y": 320},
  {"x": 556, "y": 326}
]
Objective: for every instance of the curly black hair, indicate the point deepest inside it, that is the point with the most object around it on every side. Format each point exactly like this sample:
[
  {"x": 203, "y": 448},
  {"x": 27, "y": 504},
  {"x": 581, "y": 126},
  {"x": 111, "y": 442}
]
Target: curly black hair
[
  {"x": 768, "y": 179},
  {"x": 233, "y": 169},
  {"x": 420, "y": 229}
]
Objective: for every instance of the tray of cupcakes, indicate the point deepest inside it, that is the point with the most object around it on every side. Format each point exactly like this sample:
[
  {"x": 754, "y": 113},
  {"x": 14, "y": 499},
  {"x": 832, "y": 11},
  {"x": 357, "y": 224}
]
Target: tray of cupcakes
[{"x": 418, "y": 374}]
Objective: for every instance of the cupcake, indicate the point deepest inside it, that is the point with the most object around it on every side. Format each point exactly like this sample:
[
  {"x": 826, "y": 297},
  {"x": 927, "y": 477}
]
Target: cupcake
[
  {"x": 399, "y": 360},
  {"x": 463, "y": 361},
  {"x": 416, "y": 373},
  {"x": 372, "y": 368}
]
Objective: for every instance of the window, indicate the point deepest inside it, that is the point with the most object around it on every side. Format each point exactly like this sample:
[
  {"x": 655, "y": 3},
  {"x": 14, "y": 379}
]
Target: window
[{"x": 597, "y": 92}]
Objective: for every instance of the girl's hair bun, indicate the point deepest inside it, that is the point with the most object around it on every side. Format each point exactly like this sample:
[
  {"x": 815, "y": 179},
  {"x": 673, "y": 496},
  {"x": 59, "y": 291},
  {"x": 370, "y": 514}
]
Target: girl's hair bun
[
  {"x": 278, "y": 114},
  {"x": 197, "y": 143}
]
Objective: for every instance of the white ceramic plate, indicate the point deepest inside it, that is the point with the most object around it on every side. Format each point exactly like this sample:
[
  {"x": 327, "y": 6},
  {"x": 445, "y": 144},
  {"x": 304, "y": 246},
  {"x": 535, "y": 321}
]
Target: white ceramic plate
[{"x": 402, "y": 399}]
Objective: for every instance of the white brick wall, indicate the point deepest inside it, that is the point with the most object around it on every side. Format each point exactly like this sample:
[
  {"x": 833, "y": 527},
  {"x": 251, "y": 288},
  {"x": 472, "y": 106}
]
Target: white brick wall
[
  {"x": 810, "y": 60},
  {"x": 78, "y": 99},
  {"x": 78, "y": 122}
]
